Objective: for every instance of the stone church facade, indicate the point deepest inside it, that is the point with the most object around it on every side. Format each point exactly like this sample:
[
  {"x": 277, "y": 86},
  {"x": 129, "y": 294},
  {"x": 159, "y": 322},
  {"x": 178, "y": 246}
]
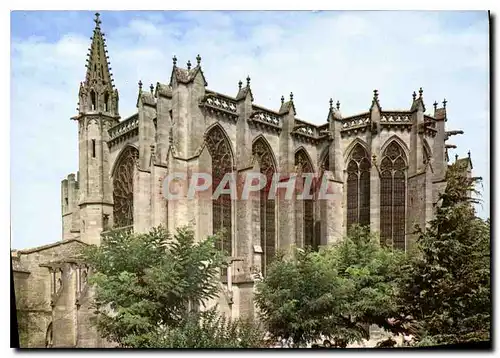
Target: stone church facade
[{"x": 384, "y": 167}]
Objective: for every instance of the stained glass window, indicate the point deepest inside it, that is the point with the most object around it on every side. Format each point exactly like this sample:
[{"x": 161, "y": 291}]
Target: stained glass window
[
  {"x": 393, "y": 197},
  {"x": 304, "y": 166},
  {"x": 267, "y": 206},
  {"x": 123, "y": 188},
  {"x": 222, "y": 163},
  {"x": 358, "y": 187}
]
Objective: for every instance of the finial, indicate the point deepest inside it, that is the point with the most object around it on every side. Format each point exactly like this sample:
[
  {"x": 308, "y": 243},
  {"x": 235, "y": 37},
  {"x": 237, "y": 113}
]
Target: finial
[
  {"x": 420, "y": 92},
  {"x": 456, "y": 157},
  {"x": 468, "y": 153},
  {"x": 282, "y": 99},
  {"x": 435, "y": 105},
  {"x": 291, "y": 96},
  {"x": 174, "y": 60},
  {"x": 248, "y": 81},
  {"x": 240, "y": 84},
  {"x": 331, "y": 103},
  {"x": 338, "y": 105},
  {"x": 140, "y": 85},
  {"x": 97, "y": 20},
  {"x": 151, "y": 88},
  {"x": 375, "y": 95},
  {"x": 189, "y": 64},
  {"x": 444, "y": 103},
  {"x": 414, "y": 95},
  {"x": 198, "y": 59}
]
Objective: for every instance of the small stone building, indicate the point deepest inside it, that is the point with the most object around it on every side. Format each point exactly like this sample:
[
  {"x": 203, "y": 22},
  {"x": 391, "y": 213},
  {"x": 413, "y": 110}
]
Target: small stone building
[{"x": 384, "y": 168}]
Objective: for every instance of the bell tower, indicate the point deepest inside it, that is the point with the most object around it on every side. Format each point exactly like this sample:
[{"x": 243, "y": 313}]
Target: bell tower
[{"x": 97, "y": 112}]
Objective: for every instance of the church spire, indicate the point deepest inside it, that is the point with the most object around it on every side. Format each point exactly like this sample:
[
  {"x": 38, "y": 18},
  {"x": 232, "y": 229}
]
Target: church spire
[
  {"x": 98, "y": 69},
  {"x": 97, "y": 93}
]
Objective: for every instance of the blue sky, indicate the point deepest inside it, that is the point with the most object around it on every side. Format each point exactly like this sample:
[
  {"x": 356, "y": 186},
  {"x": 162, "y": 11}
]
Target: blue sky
[{"x": 315, "y": 55}]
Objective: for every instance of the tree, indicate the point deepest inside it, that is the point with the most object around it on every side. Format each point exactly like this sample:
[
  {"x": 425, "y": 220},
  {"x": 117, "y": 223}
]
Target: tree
[
  {"x": 333, "y": 293},
  {"x": 148, "y": 288},
  {"x": 447, "y": 286}
]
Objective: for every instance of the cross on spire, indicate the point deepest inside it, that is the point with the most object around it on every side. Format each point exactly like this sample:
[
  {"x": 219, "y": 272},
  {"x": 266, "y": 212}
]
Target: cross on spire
[
  {"x": 435, "y": 105},
  {"x": 97, "y": 20},
  {"x": 444, "y": 103}
]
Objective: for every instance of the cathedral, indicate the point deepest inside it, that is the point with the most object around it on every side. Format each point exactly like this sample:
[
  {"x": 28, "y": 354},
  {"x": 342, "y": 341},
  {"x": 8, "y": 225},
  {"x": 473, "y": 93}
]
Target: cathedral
[{"x": 384, "y": 168}]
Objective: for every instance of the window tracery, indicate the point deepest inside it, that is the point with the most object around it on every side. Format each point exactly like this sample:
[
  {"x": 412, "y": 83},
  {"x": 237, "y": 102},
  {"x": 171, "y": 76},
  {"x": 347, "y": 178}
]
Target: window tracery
[
  {"x": 123, "y": 188},
  {"x": 358, "y": 187},
  {"x": 393, "y": 197},
  {"x": 222, "y": 163},
  {"x": 304, "y": 165},
  {"x": 267, "y": 206}
]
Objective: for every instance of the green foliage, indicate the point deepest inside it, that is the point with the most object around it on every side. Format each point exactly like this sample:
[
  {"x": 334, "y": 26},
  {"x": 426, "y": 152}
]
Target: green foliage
[
  {"x": 446, "y": 288},
  {"x": 147, "y": 284},
  {"x": 333, "y": 293},
  {"x": 208, "y": 329}
]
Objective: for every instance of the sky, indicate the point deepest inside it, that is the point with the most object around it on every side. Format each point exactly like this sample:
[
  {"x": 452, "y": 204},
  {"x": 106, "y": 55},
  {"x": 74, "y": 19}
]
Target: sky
[{"x": 316, "y": 55}]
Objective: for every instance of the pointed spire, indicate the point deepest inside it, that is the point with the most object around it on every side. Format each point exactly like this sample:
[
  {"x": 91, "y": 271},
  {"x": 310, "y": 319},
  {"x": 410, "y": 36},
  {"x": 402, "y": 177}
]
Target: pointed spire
[
  {"x": 338, "y": 105},
  {"x": 174, "y": 61},
  {"x": 444, "y": 103},
  {"x": 198, "y": 59},
  {"x": 189, "y": 64},
  {"x": 435, "y": 104},
  {"x": 240, "y": 84},
  {"x": 420, "y": 92},
  {"x": 98, "y": 69},
  {"x": 248, "y": 81}
]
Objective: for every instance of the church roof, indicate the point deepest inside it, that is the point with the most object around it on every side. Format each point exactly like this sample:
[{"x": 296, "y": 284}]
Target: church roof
[{"x": 48, "y": 246}]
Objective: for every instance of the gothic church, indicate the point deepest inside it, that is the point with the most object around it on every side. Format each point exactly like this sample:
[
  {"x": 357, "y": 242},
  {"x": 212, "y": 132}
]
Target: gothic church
[{"x": 385, "y": 168}]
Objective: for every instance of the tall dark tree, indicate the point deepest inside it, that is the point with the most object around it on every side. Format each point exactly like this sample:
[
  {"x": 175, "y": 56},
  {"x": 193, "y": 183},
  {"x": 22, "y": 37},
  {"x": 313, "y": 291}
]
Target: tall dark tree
[{"x": 447, "y": 287}]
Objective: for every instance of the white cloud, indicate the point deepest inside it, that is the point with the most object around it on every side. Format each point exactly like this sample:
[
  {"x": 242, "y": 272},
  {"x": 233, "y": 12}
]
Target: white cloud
[{"x": 314, "y": 55}]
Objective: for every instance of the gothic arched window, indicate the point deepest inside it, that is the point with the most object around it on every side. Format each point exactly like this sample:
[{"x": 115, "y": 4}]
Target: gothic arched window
[
  {"x": 267, "y": 206},
  {"x": 393, "y": 197},
  {"x": 304, "y": 165},
  {"x": 93, "y": 100},
  {"x": 107, "y": 105},
  {"x": 358, "y": 188},
  {"x": 325, "y": 162},
  {"x": 123, "y": 188},
  {"x": 222, "y": 163}
]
